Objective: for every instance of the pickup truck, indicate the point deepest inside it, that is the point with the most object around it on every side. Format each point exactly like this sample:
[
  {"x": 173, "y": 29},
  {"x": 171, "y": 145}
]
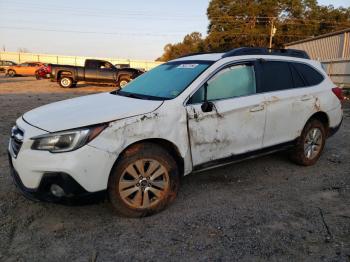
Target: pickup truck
[{"x": 94, "y": 71}]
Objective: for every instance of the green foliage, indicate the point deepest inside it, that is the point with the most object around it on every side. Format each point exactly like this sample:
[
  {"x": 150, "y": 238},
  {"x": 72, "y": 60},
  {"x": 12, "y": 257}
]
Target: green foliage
[
  {"x": 192, "y": 43},
  {"x": 237, "y": 23}
]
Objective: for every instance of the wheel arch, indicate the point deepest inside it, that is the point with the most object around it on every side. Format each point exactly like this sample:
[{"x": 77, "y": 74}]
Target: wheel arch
[
  {"x": 65, "y": 73},
  {"x": 323, "y": 118},
  {"x": 123, "y": 74},
  {"x": 170, "y": 147}
]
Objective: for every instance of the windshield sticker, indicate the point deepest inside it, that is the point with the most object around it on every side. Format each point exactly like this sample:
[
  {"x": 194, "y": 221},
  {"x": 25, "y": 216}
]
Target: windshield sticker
[{"x": 188, "y": 66}]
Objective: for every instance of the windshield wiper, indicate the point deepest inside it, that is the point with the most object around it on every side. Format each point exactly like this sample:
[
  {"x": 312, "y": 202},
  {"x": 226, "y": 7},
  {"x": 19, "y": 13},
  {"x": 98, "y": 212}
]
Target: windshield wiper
[{"x": 138, "y": 96}]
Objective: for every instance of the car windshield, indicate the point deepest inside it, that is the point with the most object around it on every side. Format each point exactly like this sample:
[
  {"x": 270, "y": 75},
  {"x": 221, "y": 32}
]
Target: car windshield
[{"x": 166, "y": 81}]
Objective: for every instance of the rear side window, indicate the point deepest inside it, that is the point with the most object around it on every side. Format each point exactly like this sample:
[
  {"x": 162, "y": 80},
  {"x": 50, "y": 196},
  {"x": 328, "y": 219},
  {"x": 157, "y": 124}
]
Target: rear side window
[
  {"x": 310, "y": 75},
  {"x": 275, "y": 75}
]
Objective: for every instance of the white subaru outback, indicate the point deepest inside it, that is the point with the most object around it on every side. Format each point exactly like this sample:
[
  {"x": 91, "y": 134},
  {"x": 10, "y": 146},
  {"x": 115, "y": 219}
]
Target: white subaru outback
[{"x": 187, "y": 115}]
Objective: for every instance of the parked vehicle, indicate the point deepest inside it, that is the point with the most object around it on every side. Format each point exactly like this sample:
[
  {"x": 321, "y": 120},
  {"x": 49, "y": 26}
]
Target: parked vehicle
[
  {"x": 43, "y": 72},
  {"x": 24, "y": 69},
  {"x": 4, "y": 65},
  {"x": 94, "y": 71},
  {"x": 187, "y": 115}
]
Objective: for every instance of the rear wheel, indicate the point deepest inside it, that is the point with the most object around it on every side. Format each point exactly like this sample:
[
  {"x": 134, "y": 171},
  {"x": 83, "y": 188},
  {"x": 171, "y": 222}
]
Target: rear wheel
[
  {"x": 144, "y": 181},
  {"x": 310, "y": 144},
  {"x": 66, "y": 82},
  {"x": 11, "y": 73}
]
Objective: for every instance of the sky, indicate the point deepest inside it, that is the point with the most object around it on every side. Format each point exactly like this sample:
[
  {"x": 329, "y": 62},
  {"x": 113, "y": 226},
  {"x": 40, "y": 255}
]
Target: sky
[{"x": 133, "y": 29}]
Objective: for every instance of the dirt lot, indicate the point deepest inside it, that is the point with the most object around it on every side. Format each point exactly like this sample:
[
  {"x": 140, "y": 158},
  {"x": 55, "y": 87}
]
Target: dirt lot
[{"x": 263, "y": 209}]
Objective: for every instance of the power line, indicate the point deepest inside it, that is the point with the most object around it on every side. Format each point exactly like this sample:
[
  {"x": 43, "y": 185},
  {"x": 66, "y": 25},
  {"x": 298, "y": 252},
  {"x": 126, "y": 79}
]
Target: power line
[
  {"x": 145, "y": 34},
  {"x": 89, "y": 32}
]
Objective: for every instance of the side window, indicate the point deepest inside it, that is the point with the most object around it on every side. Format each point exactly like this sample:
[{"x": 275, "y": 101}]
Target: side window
[
  {"x": 105, "y": 65},
  {"x": 275, "y": 76},
  {"x": 310, "y": 75},
  {"x": 297, "y": 78},
  {"x": 24, "y": 64},
  {"x": 234, "y": 81}
]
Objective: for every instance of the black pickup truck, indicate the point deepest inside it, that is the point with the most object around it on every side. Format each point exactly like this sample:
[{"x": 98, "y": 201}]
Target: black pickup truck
[{"x": 97, "y": 71}]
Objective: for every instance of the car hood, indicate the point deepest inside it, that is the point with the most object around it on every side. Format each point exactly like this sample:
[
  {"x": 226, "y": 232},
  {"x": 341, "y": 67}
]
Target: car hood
[{"x": 87, "y": 110}]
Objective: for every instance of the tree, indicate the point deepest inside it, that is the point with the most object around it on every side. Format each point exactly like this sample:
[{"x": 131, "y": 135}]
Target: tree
[
  {"x": 237, "y": 23},
  {"x": 191, "y": 43}
]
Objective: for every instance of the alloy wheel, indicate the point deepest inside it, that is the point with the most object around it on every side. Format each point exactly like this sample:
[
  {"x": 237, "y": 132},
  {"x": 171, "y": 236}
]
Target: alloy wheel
[
  {"x": 144, "y": 183},
  {"x": 313, "y": 143}
]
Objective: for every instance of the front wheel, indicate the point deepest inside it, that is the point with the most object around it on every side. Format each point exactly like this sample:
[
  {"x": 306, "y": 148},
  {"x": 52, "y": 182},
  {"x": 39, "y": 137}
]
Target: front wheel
[
  {"x": 310, "y": 144},
  {"x": 144, "y": 181},
  {"x": 123, "y": 81},
  {"x": 11, "y": 73},
  {"x": 66, "y": 82}
]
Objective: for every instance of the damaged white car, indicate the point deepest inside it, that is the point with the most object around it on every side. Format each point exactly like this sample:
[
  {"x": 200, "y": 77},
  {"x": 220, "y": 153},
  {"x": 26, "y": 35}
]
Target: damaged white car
[{"x": 187, "y": 115}]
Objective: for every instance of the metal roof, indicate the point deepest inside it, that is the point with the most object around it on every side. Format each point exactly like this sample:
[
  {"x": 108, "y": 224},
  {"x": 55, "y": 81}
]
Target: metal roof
[{"x": 319, "y": 37}]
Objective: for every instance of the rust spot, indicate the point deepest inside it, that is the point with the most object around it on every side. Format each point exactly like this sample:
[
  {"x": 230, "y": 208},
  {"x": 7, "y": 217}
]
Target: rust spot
[
  {"x": 133, "y": 149},
  {"x": 272, "y": 100},
  {"x": 144, "y": 117},
  {"x": 317, "y": 104}
]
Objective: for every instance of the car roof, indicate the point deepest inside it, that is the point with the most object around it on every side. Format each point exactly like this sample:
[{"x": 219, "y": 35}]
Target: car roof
[{"x": 254, "y": 52}]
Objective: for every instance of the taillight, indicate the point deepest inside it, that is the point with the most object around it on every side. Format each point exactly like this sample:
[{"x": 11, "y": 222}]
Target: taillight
[{"x": 339, "y": 93}]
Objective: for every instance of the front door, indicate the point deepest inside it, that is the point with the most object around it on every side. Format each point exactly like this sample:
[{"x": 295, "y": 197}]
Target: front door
[{"x": 236, "y": 123}]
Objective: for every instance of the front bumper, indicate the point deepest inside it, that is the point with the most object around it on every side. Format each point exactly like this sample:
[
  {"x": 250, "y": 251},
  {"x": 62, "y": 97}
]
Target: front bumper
[
  {"x": 74, "y": 193},
  {"x": 80, "y": 173}
]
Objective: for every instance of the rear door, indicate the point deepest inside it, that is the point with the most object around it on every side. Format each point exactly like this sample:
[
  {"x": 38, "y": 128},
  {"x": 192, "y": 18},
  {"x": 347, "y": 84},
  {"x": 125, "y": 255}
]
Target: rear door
[
  {"x": 90, "y": 70},
  {"x": 288, "y": 102}
]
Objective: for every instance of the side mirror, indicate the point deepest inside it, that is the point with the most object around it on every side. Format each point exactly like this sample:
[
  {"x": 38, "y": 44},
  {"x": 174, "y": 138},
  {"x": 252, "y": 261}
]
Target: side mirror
[{"x": 207, "y": 106}]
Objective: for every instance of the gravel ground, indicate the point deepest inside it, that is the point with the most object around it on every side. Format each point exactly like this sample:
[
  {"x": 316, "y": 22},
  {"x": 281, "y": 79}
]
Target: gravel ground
[{"x": 267, "y": 209}]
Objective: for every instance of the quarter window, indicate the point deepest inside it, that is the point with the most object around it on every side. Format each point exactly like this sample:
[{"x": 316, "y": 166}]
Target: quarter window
[
  {"x": 234, "y": 81},
  {"x": 310, "y": 75}
]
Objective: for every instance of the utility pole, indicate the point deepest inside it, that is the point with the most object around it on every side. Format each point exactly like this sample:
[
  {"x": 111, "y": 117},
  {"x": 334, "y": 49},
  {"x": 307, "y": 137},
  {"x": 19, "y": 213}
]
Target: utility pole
[{"x": 273, "y": 30}]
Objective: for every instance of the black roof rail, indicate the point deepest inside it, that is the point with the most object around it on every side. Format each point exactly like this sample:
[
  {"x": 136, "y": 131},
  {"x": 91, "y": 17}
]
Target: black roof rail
[{"x": 266, "y": 51}]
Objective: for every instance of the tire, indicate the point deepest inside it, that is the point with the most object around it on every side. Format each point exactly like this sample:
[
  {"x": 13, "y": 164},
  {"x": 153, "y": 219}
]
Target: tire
[
  {"x": 66, "y": 82},
  {"x": 135, "y": 193},
  {"x": 310, "y": 144},
  {"x": 74, "y": 84},
  {"x": 123, "y": 81},
  {"x": 11, "y": 73},
  {"x": 37, "y": 77}
]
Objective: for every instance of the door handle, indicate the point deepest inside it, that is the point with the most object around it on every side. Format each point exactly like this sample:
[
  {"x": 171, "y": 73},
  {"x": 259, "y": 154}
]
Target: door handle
[
  {"x": 257, "y": 108},
  {"x": 306, "y": 98}
]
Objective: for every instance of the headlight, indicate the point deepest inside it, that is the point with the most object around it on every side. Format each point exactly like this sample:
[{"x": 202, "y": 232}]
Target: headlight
[{"x": 67, "y": 140}]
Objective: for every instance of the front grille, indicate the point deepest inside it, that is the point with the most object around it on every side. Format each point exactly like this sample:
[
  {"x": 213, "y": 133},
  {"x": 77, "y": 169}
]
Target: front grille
[{"x": 16, "y": 140}]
